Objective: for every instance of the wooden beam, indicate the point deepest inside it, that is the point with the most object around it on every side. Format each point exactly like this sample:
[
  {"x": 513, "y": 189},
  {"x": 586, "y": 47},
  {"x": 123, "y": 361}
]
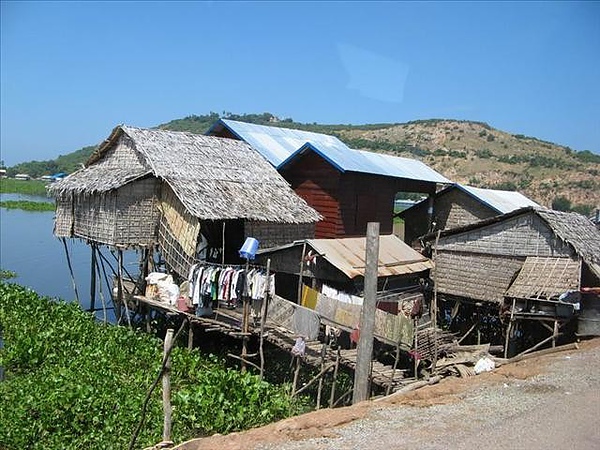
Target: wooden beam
[{"x": 367, "y": 316}]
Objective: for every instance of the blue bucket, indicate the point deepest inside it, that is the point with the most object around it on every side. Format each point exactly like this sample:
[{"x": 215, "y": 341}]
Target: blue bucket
[{"x": 248, "y": 250}]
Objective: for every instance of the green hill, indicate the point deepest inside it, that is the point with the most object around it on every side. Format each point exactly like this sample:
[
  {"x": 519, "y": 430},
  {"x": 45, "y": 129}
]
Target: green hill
[{"x": 467, "y": 152}]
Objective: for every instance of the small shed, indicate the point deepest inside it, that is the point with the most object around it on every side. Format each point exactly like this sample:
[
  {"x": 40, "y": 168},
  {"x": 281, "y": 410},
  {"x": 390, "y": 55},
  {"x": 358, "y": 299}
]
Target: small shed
[
  {"x": 193, "y": 196},
  {"x": 348, "y": 187},
  {"x": 327, "y": 276},
  {"x": 340, "y": 264},
  {"x": 456, "y": 206}
]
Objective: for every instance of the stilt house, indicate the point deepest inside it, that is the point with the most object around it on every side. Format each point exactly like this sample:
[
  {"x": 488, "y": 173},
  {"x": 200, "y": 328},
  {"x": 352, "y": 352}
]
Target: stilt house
[
  {"x": 456, "y": 206},
  {"x": 532, "y": 264},
  {"x": 349, "y": 188},
  {"x": 192, "y": 196}
]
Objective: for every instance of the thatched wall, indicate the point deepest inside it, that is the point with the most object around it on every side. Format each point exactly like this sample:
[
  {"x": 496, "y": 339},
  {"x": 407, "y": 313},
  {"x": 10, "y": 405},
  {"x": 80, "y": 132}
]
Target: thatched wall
[
  {"x": 126, "y": 216},
  {"x": 270, "y": 234},
  {"x": 178, "y": 233},
  {"x": 522, "y": 236},
  {"x": 456, "y": 208},
  {"x": 63, "y": 218},
  {"x": 475, "y": 276}
]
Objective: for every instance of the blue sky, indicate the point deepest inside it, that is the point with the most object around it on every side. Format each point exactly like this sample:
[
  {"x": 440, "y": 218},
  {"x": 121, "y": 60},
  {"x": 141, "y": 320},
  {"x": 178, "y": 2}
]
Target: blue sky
[{"x": 71, "y": 71}]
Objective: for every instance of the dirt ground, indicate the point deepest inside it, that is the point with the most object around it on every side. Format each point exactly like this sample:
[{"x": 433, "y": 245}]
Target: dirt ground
[{"x": 540, "y": 402}]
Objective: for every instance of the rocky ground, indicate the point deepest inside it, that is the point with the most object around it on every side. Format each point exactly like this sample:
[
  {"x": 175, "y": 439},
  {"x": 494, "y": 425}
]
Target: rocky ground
[{"x": 550, "y": 401}]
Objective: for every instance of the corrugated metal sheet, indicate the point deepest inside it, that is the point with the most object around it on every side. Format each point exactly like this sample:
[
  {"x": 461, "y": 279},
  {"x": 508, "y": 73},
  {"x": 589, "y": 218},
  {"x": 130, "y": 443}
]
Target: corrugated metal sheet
[
  {"x": 502, "y": 201},
  {"x": 348, "y": 255},
  {"x": 281, "y": 146},
  {"x": 277, "y": 144}
]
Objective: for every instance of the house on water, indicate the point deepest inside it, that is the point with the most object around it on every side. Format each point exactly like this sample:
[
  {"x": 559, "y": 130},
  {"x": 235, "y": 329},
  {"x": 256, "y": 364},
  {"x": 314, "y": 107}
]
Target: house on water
[
  {"x": 191, "y": 196},
  {"x": 458, "y": 205},
  {"x": 535, "y": 266},
  {"x": 348, "y": 187}
]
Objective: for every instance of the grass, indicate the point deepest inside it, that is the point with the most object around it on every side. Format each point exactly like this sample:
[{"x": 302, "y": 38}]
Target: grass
[
  {"x": 30, "y": 187},
  {"x": 27, "y": 205}
]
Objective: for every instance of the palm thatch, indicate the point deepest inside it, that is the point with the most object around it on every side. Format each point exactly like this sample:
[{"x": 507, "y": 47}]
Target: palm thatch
[
  {"x": 214, "y": 178},
  {"x": 546, "y": 278}
]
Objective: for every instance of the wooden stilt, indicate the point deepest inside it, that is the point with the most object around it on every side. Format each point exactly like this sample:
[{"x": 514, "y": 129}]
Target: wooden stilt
[
  {"x": 166, "y": 384},
  {"x": 396, "y": 358},
  {"x": 93, "y": 280},
  {"x": 509, "y": 327},
  {"x": 299, "y": 299},
  {"x": 100, "y": 291},
  {"x": 296, "y": 373},
  {"x": 190, "y": 343},
  {"x": 334, "y": 380},
  {"x": 434, "y": 305},
  {"x": 64, "y": 241},
  {"x": 245, "y": 320},
  {"x": 416, "y": 352},
  {"x": 263, "y": 318},
  {"x": 554, "y": 333},
  {"x": 323, "y": 351}
]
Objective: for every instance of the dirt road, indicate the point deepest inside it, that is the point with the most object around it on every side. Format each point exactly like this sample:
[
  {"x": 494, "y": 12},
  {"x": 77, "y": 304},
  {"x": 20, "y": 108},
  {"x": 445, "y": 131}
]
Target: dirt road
[{"x": 550, "y": 401}]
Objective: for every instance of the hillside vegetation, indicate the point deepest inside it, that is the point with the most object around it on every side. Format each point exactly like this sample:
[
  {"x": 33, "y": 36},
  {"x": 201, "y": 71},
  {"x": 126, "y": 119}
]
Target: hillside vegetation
[{"x": 467, "y": 152}]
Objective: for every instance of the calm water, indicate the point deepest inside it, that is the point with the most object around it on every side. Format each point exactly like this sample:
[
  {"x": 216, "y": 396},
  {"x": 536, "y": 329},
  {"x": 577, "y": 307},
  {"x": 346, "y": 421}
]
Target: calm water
[{"x": 28, "y": 247}]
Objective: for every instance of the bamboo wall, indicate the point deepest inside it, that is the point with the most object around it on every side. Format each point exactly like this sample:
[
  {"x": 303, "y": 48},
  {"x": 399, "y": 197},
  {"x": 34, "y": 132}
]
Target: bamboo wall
[
  {"x": 178, "y": 233},
  {"x": 521, "y": 236},
  {"x": 270, "y": 234},
  {"x": 475, "y": 276},
  {"x": 126, "y": 216},
  {"x": 456, "y": 208}
]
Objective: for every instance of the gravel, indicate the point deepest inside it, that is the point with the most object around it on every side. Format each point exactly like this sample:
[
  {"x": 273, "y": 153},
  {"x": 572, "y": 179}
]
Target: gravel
[{"x": 555, "y": 409}]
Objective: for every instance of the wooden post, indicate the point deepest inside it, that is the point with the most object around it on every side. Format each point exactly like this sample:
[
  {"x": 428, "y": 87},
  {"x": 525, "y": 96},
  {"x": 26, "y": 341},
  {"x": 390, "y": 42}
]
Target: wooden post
[
  {"x": 93, "y": 281},
  {"x": 554, "y": 333},
  {"x": 320, "y": 389},
  {"x": 334, "y": 381},
  {"x": 263, "y": 318},
  {"x": 415, "y": 357},
  {"x": 296, "y": 373},
  {"x": 367, "y": 316},
  {"x": 120, "y": 299},
  {"x": 394, "y": 367},
  {"x": 509, "y": 328},
  {"x": 223, "y": 246},
  {"x": 64, "y": 241},
  {"x": 434, "y": 308},
  {"x": 190, "y": 343},
  {"x": 299, "y": 301},
  {"x": 166, "y": 383},
  {"x": 245, "y": 319}
]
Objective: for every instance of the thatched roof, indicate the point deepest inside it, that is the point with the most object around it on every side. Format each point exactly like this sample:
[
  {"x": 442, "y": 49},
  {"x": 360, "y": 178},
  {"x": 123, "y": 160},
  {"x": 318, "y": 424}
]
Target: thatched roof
[
  {"x": 214, "y": 178},
  {"x": 546, "y": 278}
]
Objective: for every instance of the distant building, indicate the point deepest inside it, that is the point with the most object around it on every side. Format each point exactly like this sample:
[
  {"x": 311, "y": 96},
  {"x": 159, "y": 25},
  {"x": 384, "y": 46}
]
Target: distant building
[
  {"x": 456, "y": 206},
  {"x": 2, "y": 173},
  {"x": 22, "y": 176},
  {"x": 348, "y": 187}
]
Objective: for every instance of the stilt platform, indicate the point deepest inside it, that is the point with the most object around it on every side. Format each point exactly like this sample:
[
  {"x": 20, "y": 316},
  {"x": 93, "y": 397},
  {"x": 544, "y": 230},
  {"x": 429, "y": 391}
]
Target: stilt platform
[{"x": 229, "y": 322}]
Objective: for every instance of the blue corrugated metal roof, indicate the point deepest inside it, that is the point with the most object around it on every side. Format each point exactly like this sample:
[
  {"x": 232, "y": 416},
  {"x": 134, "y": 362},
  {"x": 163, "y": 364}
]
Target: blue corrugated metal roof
[
  {"x": 275, "y": 143},
  {"x": 281, "y": 146},
  {"x": 502, "y": 201}
]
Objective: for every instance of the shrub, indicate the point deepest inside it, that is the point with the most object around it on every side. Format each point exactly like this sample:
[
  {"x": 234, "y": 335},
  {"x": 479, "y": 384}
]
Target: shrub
[
  {"x": 561, "y": 203},
  {"x": 73, "y": 383}
]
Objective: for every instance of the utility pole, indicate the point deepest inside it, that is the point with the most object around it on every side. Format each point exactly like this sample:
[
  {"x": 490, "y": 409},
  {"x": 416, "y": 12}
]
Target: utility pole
[{"x": 367, "y": 316}]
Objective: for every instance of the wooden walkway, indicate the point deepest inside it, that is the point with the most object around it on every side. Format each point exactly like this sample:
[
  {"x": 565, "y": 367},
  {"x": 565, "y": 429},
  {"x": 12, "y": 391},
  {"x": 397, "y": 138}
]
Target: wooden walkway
[{"x": 229, "y": 322}]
